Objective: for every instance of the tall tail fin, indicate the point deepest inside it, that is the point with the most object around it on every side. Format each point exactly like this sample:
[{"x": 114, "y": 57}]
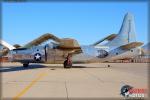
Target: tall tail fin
[{"x": 127, "y": 32}]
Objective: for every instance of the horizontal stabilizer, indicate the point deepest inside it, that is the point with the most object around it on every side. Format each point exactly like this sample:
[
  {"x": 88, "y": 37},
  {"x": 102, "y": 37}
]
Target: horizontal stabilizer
[
  {"x": 109, "y": 38},
  {"x": 131, "y": 45}
]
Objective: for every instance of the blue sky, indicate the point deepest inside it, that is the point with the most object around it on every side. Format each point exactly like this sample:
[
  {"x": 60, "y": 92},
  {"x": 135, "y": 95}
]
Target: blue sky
[{"x": 86, "y": 22}]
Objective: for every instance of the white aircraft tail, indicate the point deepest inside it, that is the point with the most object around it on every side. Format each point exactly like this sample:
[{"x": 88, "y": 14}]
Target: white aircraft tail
[
  {"x": 7, "y": 45},
  {"x": 126, "y": 34}
]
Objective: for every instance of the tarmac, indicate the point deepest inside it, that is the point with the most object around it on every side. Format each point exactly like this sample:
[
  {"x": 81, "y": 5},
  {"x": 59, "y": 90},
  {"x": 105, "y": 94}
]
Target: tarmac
[{"x": 83, "y": 81}]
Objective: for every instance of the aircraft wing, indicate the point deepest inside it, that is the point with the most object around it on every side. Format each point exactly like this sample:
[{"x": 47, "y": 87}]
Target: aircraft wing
[
  {"x": 41, "y": 39},
  {"x": 131, "y": 45}
]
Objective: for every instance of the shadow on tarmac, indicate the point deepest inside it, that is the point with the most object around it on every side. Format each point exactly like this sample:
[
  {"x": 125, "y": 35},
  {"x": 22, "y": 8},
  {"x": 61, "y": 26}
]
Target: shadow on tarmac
[
  {"x": 76, "y": 67},
  {"x": 87, "y": 67},
  {"x": 20, "y": 68}
]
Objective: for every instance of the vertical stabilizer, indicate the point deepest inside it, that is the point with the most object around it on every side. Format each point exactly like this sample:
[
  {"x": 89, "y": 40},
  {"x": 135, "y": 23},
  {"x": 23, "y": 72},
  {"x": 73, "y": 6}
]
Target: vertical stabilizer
[{"x": 126, "y": 34}]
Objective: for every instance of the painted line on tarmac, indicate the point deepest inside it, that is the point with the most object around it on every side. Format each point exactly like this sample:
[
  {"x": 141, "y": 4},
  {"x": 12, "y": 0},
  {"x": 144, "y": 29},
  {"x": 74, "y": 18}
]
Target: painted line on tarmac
[{"x": 33, "y": 82}]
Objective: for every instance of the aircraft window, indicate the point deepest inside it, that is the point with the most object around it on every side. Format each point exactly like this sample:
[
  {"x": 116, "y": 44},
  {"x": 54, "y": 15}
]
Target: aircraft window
[
  {"x": 116, "y": 53},
  {"x": 102, "y": 53}
]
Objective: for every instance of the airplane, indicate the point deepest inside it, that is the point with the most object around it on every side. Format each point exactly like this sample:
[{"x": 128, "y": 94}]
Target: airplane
[{"x": 119, "y": 46}]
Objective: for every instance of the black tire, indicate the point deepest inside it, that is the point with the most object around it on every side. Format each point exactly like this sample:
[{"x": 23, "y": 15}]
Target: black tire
[
  {"x": 25, "y": 65},
  {"x": 67, "y": 65}
]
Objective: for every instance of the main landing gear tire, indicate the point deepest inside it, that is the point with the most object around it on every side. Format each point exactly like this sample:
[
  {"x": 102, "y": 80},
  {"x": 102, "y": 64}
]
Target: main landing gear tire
[
  {"x": 25, "y": 65},
  {"x": 67, "y": 65}
]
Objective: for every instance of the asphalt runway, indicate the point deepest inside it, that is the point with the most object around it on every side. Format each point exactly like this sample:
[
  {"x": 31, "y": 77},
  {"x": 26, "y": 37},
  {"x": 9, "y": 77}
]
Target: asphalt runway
[{"x": 52, "y": 81}]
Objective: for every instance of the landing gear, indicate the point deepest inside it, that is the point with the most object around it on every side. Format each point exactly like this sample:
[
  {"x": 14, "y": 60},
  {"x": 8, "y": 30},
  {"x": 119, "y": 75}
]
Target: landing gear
[
  {"x": 25, "y": 65},
  {"x": 67, "y": 65},
  {"x": 68, "y": 62}
]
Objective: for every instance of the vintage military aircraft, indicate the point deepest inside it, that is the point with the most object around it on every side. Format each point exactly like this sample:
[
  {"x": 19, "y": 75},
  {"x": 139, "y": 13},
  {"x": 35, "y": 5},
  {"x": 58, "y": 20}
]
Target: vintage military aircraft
[{"x": 119, "y": 46}]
